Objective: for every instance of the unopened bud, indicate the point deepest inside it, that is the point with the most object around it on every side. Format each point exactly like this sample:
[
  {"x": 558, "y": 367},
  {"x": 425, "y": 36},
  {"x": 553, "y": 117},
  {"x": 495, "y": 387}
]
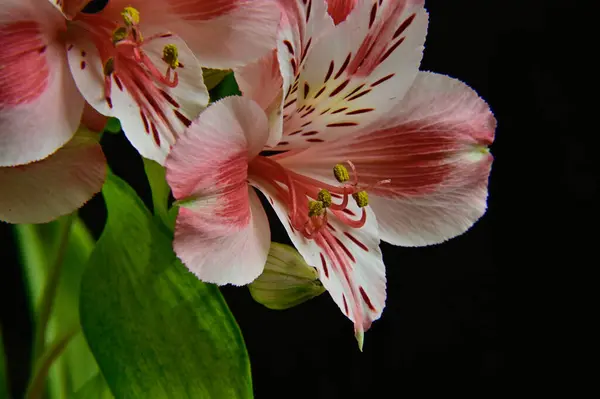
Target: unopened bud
[{"x": 287, "y": 280}]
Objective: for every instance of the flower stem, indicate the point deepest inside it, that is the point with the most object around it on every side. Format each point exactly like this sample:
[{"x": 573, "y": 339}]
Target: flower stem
[
  {"x": 37, "y": 384},
  {"x": 49, "y": 293}
]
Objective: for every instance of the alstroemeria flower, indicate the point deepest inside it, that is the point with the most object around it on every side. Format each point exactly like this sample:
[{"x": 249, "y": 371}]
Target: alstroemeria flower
[
  {"x": 140, "y": 60},
  {"x": 126, "y": 61},
  {"x": 367, "y": 147}
]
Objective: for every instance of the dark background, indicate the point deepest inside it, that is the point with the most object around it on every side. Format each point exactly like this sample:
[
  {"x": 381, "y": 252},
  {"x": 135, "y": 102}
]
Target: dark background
[{"x": 496, "y": 305}]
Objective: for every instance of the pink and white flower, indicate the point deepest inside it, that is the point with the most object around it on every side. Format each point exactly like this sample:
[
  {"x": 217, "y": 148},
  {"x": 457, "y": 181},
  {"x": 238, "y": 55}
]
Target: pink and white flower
[
  {"x": 46, "y": 170},
  {"x": 365, "y": 147},
  {"x": 140, "y": 60},
  {"x": 126, "y": 61}
]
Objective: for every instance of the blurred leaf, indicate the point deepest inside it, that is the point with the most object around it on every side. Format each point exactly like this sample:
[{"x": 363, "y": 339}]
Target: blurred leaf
[
  {"x": 3, "y": 373},
  {"x": 95, "y": 388},
  {"x": 287, "y": 280},
  {"x": 38, "y": 245},
  {"x": 212, "y": 77},
  {"x": 155, "y": 329},
  {"x": 156, "y": 175},
  {"x": 227, "y": 87}
]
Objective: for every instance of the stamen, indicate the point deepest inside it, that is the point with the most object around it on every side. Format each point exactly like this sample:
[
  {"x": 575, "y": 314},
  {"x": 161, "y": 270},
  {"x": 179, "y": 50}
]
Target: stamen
[
  {"x": 341, "y": 173},
  {"x": 119, "y": 34},
  {"x": 171, "y": 55},
  {"x": 325, "y": 197},
  {"x": 131, "y": 16},
  {"x": 361, "y": 198},
  {"x": 315, "y": 208},
  {"x": 109, "y": 67}
]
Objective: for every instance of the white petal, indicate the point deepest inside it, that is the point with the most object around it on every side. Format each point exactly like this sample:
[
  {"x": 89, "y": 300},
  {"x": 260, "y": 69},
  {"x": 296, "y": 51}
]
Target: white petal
[
  {"x": 358, "y": 285},
  {"x": 356, "y": 73}
]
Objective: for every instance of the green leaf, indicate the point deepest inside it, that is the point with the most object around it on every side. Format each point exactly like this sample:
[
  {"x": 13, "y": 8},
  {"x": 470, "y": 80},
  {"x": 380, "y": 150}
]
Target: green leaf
[
  {"x": 95, "y": 388},
  {"x": 227, "y": 87},
  {"x": 212, "y": 77},
  {"x": 3, "y": 374},
  {"x": 287, "y": 280},
  {"x": 38, "y": 246},
  {"x": 156, "y": 175},
  {"x": 155, "y": 329}
]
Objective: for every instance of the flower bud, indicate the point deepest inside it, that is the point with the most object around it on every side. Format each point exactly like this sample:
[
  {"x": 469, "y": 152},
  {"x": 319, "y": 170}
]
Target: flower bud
[{"x": 287, "y": 280}]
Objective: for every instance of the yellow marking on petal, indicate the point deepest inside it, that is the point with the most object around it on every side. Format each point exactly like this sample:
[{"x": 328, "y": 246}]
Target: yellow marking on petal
[
  {"x": 171, "y": 55},
  {"x": 109, "y": 67},
  {"x": 315, "y": 208},
  {"x": 119, "y": 34},
  {"x": 131, "y": 16},
  {"x": 325, "y": 197},
  {"x": 341, "y": 173},
  {"x": 361, "y": 198}
]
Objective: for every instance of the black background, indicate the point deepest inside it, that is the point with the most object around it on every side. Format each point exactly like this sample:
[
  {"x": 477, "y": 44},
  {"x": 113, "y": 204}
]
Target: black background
[{"x": 490, "y": 306}]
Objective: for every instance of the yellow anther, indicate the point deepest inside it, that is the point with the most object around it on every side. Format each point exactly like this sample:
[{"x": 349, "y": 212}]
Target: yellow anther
[
  {"x": 341, "y": 173},
  {"x": 171, "y": 55},
  {"x": 119, "y": 34},
  {"x": 109, "y": 67},
  {"x": 315, "y": 208},
  {"x": 131, "y": 16},
  {"x": 361, "y": 198},
  {"x": 325, "y": 197}
]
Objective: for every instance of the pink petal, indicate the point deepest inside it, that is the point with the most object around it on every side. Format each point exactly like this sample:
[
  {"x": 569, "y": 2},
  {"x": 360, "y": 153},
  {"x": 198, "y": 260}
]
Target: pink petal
[
  {"x": 355, "y": 73},
  {"x": 44, "y": 190},
  {"x": 247, "y": 27},
  {"x": 433, "y": 150},
  {"x": 339, "y": 9},
  {"x": 34, "y": 80},
  {"x": 262, "y": 82},
  {"x": 358, "y": 285},
  {"x": 152, "y": 114},
  {"x": 222, "y": 233}
]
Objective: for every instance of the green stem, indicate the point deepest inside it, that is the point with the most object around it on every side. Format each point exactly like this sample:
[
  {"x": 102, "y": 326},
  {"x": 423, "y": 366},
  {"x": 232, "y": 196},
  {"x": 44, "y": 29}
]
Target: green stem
[
  {"x": 36, "y": 387},
  {"x": 49, "y": 293}
]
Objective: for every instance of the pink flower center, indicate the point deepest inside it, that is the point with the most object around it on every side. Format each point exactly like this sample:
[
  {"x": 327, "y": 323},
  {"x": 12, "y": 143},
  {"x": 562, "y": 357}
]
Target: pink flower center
[
  {"x": 121, "y": 48},
  {"x": 309, "y": 200}
]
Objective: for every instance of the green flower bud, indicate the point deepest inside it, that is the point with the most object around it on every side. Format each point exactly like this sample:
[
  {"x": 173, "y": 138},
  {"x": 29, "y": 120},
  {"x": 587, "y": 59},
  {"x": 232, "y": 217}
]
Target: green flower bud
[{"x": 287, "y": 280}]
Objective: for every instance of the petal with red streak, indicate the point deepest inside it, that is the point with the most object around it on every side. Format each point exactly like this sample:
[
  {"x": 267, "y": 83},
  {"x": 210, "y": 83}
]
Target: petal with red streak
[
  {"x": 434, "y": 150},
  {"x": 220, "y": 218},
  {"x": 355, "y": 74},
  {"x": 248, "y": 27},
  {"x": 356, "y": 279},
  {"x": 44, "y": 190},
  {"x": 339, "y": 9},
  {"x": 152, "y": 114},
  {"x": 40, "y": 107}
]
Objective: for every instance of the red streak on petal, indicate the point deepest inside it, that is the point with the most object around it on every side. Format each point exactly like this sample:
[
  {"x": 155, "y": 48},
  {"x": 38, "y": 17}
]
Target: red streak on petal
[
  {"x": 342, "y": 124},
  {"x": 324, "y": 263},
  {"x": 346, "y": 250},
  {"x": 344, "y": 66},
  {"x": 339, "y": 88},
  {"x": 329, "y": 72},
  {"x": 404, "y": 25},
  {"x": 345, "y": 305},
  {"x": 356, "y": 241},
  {"x": 289, "y": 46},
  {"x": 155, "y": 134},
  {"x": 182, "y": 118},
  {"x": 380, "y": 81},
  {"x": 366, "y": 299}
]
